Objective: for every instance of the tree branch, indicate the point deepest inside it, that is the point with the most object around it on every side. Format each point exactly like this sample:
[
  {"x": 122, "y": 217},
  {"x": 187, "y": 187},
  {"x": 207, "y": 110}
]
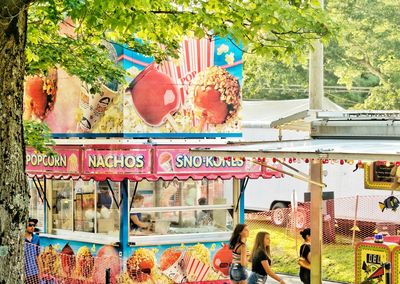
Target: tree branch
[
  {"x": 170, "y": 12},
  {"x": 365, "y": 62}
]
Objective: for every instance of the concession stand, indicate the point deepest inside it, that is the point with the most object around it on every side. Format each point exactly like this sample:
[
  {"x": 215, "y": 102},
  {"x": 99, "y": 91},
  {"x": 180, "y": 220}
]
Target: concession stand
[
  {"x": 83, "y": 195},
  {"x": 121, "y": 155}
]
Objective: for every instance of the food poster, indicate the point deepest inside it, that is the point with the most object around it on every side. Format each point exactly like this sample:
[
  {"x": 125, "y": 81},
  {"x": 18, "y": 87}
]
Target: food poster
[
  {"x": 183, "y": 263},
  {"x": 369, "y": 260},
  {"x": 77, "y": 262},
  {"x": 194, "y": 96},
  {"x": 396, "y": 265}
]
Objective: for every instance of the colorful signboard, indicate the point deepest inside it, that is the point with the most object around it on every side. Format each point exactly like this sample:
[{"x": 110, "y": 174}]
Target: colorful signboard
[
  {"x": 197, "y": 95},
  {"x": 136, "y": 162},
  {"x": 370, "y": 258},
  {"x": 380, "y": 175},
  {"x": 206, "y": 262},
  {"x": 169, "y": 161},
  {"x": 126, "y": 161},
  {"x": 396, "y": 265},
  {"x": 64, "y": 160}
]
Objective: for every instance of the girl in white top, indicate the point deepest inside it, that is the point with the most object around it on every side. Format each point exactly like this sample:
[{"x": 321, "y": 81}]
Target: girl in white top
[{"x": 237, "y": 243}]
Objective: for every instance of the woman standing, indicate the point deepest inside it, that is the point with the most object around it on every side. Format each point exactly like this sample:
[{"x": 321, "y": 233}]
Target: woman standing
[
  {"x": 237, "y": 243},
  {"x": 305, "y": 252},
  {"x": 261, "y": 260}
]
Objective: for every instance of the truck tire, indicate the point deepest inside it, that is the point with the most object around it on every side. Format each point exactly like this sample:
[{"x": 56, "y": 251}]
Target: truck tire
[
  {"x": 301, "y": 219},
  {"x": 279, "y": 214}
]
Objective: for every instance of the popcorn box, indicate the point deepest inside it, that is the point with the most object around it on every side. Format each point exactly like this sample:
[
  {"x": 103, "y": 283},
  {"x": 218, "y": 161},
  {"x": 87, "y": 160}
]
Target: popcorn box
[{"x": 175, "y": 272}]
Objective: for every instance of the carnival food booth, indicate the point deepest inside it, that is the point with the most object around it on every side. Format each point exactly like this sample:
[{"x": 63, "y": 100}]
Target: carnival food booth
[
  {"x": 83, "y": 196},
  {"x": 129, "y": 143}
]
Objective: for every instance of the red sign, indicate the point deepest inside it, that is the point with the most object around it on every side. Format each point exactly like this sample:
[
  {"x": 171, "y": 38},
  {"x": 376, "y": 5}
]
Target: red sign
[
  {"x": 117, "y": 161},
  {"x": 180, "y": 161},
  {"x": 63, "y": 161}
]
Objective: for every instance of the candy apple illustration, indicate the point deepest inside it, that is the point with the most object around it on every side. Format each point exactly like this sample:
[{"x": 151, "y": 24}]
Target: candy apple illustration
[
  {"x": 40, "y": 95},
  {"x": 154, "y": 96},
  {"x": 216, "y": 96}
]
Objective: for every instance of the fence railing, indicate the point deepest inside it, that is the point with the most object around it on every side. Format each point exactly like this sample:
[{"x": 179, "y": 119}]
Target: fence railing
[{"x": 346, "y": 221}]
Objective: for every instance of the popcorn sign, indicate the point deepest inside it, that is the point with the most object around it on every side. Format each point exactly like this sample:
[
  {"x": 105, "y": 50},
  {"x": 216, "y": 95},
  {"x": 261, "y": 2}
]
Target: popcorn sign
[{"x": 63, "y": 160}]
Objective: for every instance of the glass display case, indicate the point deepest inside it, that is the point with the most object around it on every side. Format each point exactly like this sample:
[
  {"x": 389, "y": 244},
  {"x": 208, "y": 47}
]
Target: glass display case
[{"x": 179, "y": 208}]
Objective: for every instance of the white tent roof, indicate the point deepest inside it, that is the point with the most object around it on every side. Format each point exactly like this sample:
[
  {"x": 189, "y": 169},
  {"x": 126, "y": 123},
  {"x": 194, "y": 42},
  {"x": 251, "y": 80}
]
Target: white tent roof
[
  {"x": 353, "y": 149},
  {"x": 273, "y": 110},
  {"x": 292, "y": 113}
]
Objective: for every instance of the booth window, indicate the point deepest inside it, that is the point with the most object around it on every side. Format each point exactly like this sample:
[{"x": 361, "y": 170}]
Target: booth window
[
  {"x": 107, "y": 205},
  {"x": 36, "y": 202},
  {"x": 62, "y": 204},
  {"x": 85, "y": 206},
  {"x": 179, "y": 207}
]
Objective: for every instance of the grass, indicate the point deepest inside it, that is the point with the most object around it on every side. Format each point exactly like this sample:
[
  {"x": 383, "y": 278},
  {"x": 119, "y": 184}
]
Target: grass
[{"x": 337, "y": 259}]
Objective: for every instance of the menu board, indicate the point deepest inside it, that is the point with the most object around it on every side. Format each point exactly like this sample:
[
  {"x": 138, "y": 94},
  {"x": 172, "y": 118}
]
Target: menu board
[
  {"x": 377, "y": 175},
  {"x": 381, "y": 172}
]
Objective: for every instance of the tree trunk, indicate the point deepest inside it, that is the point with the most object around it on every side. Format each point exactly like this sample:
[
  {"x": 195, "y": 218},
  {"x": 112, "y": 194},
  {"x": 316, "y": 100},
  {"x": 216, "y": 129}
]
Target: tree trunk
[{"x": 14, "y": 196}]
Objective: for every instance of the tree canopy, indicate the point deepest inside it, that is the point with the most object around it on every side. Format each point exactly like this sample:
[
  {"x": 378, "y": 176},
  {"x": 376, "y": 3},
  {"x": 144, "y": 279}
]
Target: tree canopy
[
  {"x": 270, "y": 28},
  {"x": 361, "y": 66}
]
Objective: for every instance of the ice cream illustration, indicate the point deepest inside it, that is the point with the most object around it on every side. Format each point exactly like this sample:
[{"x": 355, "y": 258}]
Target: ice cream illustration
[
  {"x": 154, "y": 96},
  {"x": 67, "y": 104},
  {"x": 171, "y": 265},
  {"x": 93, "y": 106},
  {"x": 216, "y": 96},
  {"x": 165, "y": 161}
]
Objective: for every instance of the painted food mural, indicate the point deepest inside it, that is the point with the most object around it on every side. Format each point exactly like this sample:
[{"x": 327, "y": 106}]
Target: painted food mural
[
  {"x": 199, "y": 92},
  {"x": 179, "y": 264}
]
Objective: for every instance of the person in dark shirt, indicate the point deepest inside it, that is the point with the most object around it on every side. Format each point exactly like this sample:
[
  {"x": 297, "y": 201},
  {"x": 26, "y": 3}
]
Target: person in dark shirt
[
  {"x": 136, "y": 218},
  {"x": 261, "y": 260},
  {"x": 104, "y": 199},
  {"x": 305, "y": 252},
  {"x": 31, "y": 252}
]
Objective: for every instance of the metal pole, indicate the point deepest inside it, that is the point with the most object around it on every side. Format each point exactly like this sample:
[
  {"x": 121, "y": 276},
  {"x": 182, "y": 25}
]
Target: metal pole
[
  {"x": 236, "y": 193},
  {"x": 108, "y": 276},
  {"x": 124, "y": 218},
  {"x": 316, "y": 224},
  {"x": 355, "y": 223},
  {"x": 316, "y": 74}
]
